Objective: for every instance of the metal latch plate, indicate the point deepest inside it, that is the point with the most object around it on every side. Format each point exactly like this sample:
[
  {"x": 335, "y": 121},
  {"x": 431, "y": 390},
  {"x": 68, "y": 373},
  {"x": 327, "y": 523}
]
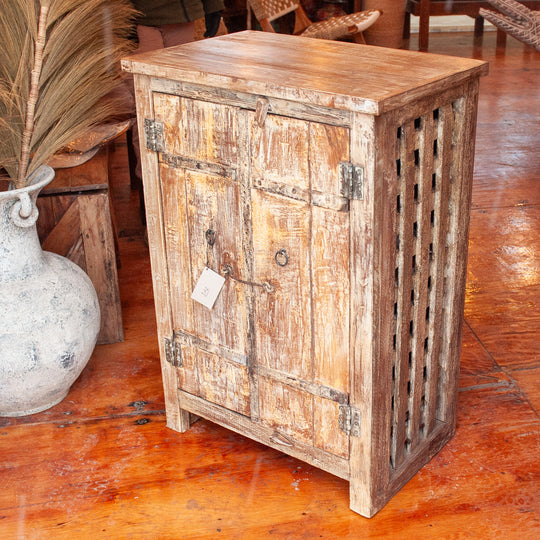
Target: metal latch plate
[
  {"x": 153, "y": 132},
  {"x": 173, "y": 354},
  {"x": 352, "y": 180},
  {"x": 349, "y": 420}
]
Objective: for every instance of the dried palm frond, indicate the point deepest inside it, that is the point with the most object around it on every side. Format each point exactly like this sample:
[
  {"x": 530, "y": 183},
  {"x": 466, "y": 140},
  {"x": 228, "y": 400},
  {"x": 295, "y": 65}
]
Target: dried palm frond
[{"x": 59, "y": 59}]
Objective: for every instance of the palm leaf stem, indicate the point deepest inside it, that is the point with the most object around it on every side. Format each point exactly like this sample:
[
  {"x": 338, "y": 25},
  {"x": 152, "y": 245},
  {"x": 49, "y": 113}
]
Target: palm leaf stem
[{"x": 33, "y": 94}]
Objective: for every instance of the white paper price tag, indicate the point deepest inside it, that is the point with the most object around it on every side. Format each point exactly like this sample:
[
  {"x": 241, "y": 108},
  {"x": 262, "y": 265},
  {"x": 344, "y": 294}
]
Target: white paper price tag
[{"x": 208, "y": 288}]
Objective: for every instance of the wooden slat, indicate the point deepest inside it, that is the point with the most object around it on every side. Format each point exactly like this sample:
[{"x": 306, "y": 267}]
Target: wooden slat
[
  {"x": 177, "y": 243},
  {"x": 405, "y": 324},
  {"x": 423, "y": 254},
  {"x": 100, "y": 256},
  {"x": 330, "y": 297},
  {"x": 244, "y": 100},
  {"x": 314, "y": 388},
  {"x": 246, "y": 212},
  {"x": 461, "y": 175},
  {"x": 441, "y": 205},
  {"x": 65, "y": 233}
]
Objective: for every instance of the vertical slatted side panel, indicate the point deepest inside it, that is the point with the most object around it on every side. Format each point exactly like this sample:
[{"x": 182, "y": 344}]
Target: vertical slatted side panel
[{"x": 425, "y": 207}]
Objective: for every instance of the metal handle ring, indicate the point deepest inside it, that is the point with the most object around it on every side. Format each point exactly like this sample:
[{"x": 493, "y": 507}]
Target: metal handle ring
[{"x": 281, "y": 258}]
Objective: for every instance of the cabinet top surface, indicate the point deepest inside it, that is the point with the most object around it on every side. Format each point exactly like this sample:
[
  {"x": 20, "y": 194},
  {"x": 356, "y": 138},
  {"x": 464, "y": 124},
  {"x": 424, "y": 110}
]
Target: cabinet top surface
[{"x": 334, "y": 74}]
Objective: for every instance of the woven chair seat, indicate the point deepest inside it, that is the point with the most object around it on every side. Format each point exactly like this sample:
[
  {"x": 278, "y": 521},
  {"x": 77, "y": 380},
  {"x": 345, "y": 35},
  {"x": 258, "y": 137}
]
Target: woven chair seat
[{"x": 339, "y": 27}]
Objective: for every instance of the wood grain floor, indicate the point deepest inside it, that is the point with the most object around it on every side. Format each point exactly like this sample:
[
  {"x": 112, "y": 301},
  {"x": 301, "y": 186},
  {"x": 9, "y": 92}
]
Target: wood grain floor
[{"x": 102, "y": 464}]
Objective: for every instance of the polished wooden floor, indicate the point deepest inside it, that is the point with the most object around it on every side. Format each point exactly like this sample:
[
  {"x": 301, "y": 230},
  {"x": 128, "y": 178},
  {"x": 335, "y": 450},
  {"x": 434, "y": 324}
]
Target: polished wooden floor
[{"x": 102, "y": 464}]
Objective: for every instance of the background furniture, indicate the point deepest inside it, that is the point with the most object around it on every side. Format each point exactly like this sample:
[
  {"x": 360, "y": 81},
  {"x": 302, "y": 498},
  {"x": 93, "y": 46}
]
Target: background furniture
[
  {"x": 349, "y": 25},
  {"x": 427, "y": 8},
  {"x": 335, "y": 203},
  {"x": 515, "y": 19},
  {"x": 76, "y": 221}
]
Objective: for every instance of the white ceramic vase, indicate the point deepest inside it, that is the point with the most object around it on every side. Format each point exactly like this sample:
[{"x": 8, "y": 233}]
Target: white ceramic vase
[{"x": 49, "y": 311}]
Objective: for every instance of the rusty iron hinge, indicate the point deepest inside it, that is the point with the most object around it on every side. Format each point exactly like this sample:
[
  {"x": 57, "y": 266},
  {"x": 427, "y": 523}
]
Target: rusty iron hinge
[
  {"x": 352, "y": 180},
  {"x": 173, "y": 354},
  {"x": 153, "y": 132},
  {"x": 349, "y": 420}
]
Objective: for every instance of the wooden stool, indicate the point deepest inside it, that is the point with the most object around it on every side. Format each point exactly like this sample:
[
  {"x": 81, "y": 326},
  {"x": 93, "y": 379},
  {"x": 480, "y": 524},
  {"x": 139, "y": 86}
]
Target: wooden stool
[{"x": 76, "y": 221}]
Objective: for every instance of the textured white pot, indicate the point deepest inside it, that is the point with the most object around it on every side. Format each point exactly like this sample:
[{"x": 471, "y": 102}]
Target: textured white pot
[{"x": 49, "y": 312}]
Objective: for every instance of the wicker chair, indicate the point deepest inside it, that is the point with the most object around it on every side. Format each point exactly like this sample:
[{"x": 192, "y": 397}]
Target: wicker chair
[{"x": 352, "y": 25}]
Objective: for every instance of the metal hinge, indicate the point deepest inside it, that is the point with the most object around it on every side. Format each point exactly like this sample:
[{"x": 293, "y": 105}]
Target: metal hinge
[
  {"x": 153, "y": 132},
  {"x": 349, "y": 420},
  {"x": 173, "y": 354},
  {"x": 352, "y": 180}
]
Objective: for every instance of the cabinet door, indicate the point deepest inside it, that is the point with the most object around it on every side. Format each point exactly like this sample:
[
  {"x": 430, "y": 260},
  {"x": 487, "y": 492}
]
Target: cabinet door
[
  {"x": 203, "y": 216},
  {"x": 301, "y": 247}
]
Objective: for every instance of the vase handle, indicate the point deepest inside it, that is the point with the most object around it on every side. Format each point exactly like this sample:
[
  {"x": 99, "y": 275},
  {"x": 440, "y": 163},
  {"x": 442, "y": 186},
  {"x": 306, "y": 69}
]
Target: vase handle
[{"x": 23, "y": 212}]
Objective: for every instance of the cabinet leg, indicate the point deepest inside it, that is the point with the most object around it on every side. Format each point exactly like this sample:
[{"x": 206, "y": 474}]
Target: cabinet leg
[
  {"x": 177, "y": 418},
  {"x": 181, "y": 421}
]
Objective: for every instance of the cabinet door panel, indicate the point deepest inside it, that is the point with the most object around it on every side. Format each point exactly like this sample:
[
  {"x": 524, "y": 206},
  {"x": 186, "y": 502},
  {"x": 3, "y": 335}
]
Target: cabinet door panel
[
  {"x": 194, "y": 204},
  {"x": 302, "y": 327},
  {"x": 213, "y": 342},
  {"x": 282, "y": 317},
  {"x": 213, "y": 204}
]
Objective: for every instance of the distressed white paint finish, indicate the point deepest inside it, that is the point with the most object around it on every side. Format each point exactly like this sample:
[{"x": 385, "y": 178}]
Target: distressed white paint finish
[{"x": 331, "y": 307}]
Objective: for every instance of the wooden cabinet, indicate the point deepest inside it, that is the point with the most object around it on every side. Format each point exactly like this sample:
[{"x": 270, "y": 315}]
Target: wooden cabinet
[{"x": 329, "y": 183}]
